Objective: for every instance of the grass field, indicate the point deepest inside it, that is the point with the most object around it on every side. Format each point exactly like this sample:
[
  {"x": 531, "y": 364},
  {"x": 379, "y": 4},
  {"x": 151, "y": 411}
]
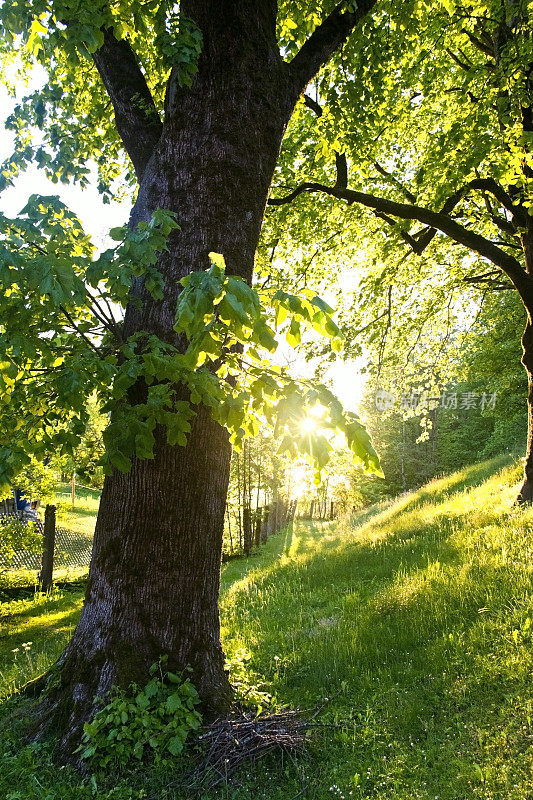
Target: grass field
[
  {"x": 82, "y": 517},
  {"x": 411, "y": 625}
]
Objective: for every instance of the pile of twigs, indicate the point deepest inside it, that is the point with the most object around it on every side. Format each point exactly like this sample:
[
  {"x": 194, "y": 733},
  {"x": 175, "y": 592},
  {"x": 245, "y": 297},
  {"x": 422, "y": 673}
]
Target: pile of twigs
[{"x": 231, "y": 741}]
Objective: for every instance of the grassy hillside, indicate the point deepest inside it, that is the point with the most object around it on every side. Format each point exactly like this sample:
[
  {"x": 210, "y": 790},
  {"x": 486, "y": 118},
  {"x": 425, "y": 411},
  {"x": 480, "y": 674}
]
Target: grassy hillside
[{"x": 411, "y": 625}]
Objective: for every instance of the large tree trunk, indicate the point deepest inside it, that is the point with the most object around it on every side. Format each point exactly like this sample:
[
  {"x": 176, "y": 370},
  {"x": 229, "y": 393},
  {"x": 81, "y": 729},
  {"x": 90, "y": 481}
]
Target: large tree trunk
[
  {"x": 154, "y": 575},
  {"x": 153, "y": 582}
]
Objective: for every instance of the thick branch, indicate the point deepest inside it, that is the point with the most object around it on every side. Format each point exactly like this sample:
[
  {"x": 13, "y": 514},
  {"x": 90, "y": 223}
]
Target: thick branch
[
  {"x": 483, "y": 47},
  {"x": 341, "y": 165},
  {"x": 490, "y": 279},
  {"x": 137, "y": 119},
  {"x": 323, "y": 42},
  {"x": 437, "y": 221},
  {"x": 462, "y": 64},
  {"x": 313, "y": 105},
  {"x": 420, "y": 241}
]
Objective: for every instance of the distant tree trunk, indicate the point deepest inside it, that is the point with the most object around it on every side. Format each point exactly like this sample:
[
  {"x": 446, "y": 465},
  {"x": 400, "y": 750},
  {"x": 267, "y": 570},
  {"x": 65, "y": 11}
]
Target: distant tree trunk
[
  {"x": 526, "y": 491},
  {"x": 294, "y": 504},
  {"x": 247, "y": 529},
  {"x": 257, "y": 528},
  {"x": 228, "y": 516},
  {"x": 403, "y": 454},
  {"x": 265, "y": 527},
  {"x": 239, "y": 502}
]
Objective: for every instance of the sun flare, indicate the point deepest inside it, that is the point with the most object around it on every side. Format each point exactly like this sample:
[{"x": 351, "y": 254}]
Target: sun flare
[{"x": 308, "y": 425}]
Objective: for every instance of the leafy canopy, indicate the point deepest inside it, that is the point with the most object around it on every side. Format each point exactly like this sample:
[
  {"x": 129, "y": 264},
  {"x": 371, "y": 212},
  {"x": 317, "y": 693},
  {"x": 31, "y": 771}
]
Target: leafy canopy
[
  {"x": 61, "y": 335},
  {"x": 61, "y": 341},
  {"x": 447, "y": 104}
]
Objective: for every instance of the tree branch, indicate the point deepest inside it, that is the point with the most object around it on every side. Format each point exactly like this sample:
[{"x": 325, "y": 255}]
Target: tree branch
[
  {"x": 313, "y": 105},
  {"x": 137, "y": 119},
  {"x": 80, "y": 333},
  {"x": 490, "y": 279},
  {"x": 462, "y": 64},
  {"x": 395, "y": 182},
  {"x": 438, "y": 221},
  {"x": 341, "y": 164},
  {"x": 323, "y": 42},
  {"x": 483, "y": 47}
]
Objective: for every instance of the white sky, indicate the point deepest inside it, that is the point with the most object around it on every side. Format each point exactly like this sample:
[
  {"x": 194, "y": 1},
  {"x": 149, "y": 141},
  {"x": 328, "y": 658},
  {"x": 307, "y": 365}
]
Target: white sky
[{"x": 97, "y": 218}]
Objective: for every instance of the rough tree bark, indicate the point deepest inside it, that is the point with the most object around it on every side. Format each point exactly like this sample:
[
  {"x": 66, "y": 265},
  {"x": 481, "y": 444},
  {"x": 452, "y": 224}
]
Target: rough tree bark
[
  {"x": 526, "y": 490},
  {"x": 154, "y": 575}
]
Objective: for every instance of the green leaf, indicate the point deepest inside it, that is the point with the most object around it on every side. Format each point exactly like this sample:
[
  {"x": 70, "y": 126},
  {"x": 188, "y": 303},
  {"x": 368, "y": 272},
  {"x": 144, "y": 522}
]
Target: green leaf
[
  {"x": 117, "y": 234},
  {"x": 175, "y": 745},
  {"x": 173, "y": 702},
  {"x": 120, "y": 461},
  {"x": 293, "y": 335}
]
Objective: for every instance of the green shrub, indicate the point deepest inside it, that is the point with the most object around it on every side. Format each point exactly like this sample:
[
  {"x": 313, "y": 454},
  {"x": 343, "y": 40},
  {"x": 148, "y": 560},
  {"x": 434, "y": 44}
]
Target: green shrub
[{"x": 152, "y": 723}]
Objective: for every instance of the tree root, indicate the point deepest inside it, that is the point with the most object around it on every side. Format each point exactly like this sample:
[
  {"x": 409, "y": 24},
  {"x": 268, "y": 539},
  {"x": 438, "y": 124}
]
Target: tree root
[{"x": 36, "y": 686}]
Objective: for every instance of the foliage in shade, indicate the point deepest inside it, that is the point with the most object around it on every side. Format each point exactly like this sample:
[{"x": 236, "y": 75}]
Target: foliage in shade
[{"x": 149, "y": 723}]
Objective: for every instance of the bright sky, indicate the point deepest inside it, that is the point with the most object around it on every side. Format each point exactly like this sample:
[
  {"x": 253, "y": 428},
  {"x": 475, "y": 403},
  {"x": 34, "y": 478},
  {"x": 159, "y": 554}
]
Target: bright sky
[{"x": 98, "y": 218}]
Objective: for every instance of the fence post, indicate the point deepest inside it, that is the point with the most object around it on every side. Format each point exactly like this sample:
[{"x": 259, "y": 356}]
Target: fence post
[
  {"x": 73, "y": 490},
  {"x": 49, "y": 536}
]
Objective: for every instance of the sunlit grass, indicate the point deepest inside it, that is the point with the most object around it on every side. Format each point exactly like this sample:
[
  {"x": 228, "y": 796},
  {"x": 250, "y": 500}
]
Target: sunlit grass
[
  {"x": 79, "y": 519},
  {"x": 418, "y": 622},
  {"x": 412, "y": 623},
  {"x": 33, "y": 632}
]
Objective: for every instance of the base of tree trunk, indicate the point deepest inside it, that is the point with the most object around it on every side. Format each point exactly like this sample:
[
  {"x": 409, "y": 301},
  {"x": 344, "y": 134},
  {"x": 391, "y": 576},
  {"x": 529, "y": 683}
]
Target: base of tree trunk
[
  {"x": 65, "y": 704},
  {"x": 525, "y": 496}
]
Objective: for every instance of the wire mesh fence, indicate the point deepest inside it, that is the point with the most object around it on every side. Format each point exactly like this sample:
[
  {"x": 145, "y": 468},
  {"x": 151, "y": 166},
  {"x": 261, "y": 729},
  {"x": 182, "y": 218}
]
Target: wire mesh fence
[
  {"x": 71, "y": 549},
  {"x": 22, "y": 538}
]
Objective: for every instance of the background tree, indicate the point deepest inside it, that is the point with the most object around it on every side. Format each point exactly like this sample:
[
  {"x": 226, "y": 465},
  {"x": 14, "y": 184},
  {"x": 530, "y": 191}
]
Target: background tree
[
  {"x": 454, "y": 159},
  {"x": 429, "y": 415}
]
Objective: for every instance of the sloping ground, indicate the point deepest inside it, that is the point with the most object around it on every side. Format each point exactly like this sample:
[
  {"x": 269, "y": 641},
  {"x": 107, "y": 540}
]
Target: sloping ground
[
  {"x": 411, "y": 626},
  {"x": 418, "y": 623}
]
